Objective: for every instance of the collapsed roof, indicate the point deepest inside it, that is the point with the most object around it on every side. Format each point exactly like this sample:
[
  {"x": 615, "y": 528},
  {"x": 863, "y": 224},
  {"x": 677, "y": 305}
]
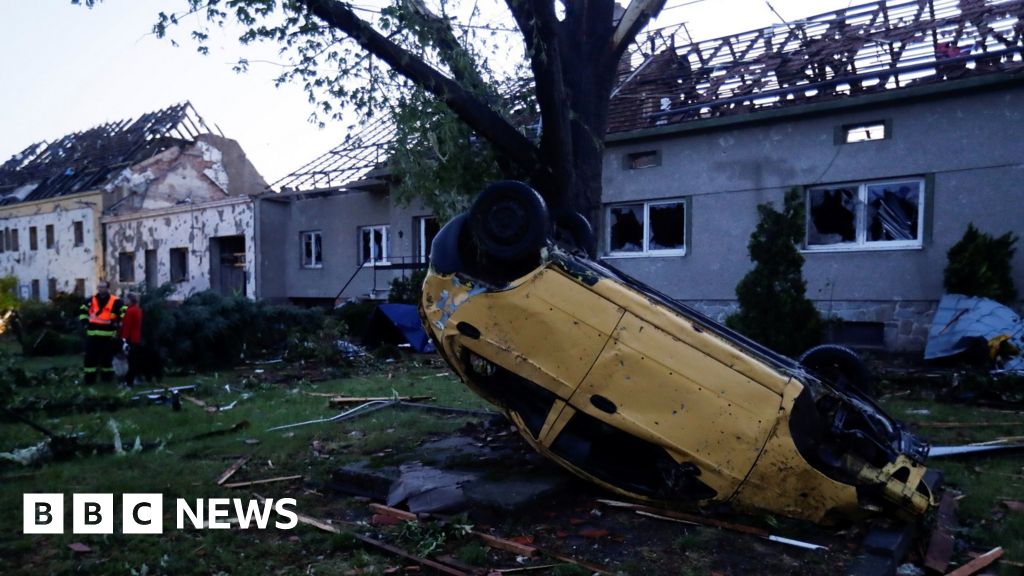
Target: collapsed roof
[
  {"x": 870, "y": 48},
  {"x": 349, "y": 165},
  {"x": 81, "y": 161}
]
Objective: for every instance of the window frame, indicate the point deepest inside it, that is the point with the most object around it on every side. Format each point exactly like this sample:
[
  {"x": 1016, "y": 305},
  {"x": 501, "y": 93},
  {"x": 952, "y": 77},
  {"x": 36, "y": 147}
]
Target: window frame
[
  {"x": 33, "y": 238},
  {"x": 843, "y": 131},
  {"x": 171, "y": 252},
  {"x": 645, "y": 251},
  {"x": 78, "y": 232},
  {"x": 121, "y": 276},
  {"x": 51, "y": 237},
  {"x": 316, "y": 257},
  {"x": 423, "y": 247},
  {"x": 861, "y": 226},
  {"x": 371, "y": 262}
]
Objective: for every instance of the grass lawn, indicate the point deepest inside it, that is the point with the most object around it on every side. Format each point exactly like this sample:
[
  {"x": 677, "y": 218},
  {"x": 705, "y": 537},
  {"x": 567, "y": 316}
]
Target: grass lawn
[{"x": 181, "y": 459}]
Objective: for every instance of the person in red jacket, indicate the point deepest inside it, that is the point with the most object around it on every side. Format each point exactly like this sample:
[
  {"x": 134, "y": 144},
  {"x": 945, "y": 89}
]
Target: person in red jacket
[{"x": 131, "y": 334}]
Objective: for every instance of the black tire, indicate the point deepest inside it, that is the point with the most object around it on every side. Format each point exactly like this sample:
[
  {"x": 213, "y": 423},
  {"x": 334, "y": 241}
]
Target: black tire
[
  {"x": 839, "y": 366},
  {"x": 573, "y": 228},
  {"x": 509, "y": 221}
]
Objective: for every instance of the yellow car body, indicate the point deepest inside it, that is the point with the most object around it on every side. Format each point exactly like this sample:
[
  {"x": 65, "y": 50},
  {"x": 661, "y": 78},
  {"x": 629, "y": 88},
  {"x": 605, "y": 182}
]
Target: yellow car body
[{"x": 650, "y": 399}]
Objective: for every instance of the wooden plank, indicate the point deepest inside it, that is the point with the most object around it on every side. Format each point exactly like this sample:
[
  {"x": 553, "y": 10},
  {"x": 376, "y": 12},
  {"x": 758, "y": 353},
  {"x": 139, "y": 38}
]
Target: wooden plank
[
  {"x": 264, "y": 481},
  {"x": 940, "y": 545},
  {"x": 506, "y": 545},
  {"x": 443, "y": 568},
  {"x": 345, "y": 400},
  {"x": 231, "y": 470},
  {"x": 393, "y": 512},
  {"x": 978, "y": 563}
]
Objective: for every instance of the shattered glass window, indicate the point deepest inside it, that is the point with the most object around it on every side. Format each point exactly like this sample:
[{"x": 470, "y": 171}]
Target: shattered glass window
[
  {"x": 648, "y": 227},
  {"x": 312, "y": 255},
  {"x": 893, "y": 211},
  {"x": 627, "y": 228},
  {"x": 179, "y": 264},
  {"x": 373, "y": 245},
  {"x": 865, "y": 215},
  {"x": 667, "y": 226},
  {"x": 833, "y": 216}
]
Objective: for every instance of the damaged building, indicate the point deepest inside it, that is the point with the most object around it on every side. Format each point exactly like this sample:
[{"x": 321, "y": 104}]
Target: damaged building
[
  {"x": 154, "y": 200},
  {"x": 898, "y": 121},
  {"x": 334, "y": 232}
]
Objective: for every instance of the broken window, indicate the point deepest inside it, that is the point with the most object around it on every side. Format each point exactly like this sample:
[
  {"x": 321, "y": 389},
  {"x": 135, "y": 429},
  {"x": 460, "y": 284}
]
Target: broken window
[
  {"x": 645, "y": 159},
  {"x": 80, "y": 287},
  {"x": 50, "y": 240},
  {"x": 51, "y": 288},
  {"x": 35, "y": 290},
  {"x": 312, "y": 249},
  {"x": 79, "y": 232},
  {"x": 864, "y": 132},
  {"x": 33, "y": 238},
  {"x": 373, "y": 245},
  {"x": 866, "y": 215},
  {"x": 427, "y": 227},
  {"x": 647, "y": 228},
  {"x": 179, "y": 264},
  {"x": 12, "y": 240},
  {"x": 126, "y": 267}
]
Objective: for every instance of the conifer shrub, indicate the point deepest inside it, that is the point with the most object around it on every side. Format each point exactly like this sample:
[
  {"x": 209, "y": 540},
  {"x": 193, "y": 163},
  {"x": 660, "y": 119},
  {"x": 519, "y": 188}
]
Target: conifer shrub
[
  {"x": 774, "y": 309},
  {"x": 980, "y": 265}
]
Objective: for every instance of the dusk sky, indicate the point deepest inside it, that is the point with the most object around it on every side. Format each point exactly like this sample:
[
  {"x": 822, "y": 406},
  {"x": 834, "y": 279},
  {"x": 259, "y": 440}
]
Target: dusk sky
[{"x": 67, "y": 68}]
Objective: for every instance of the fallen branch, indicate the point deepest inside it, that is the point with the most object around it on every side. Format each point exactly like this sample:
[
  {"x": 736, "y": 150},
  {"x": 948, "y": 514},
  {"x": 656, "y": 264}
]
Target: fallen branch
[
  {"x": 265, "y": 481},
  {"x": 978, "y": 563},
  {"x": 231, "y": 470}
]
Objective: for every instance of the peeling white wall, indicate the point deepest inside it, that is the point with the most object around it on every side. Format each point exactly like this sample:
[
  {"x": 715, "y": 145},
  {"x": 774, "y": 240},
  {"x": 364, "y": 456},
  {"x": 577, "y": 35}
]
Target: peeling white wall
[
  {"x": 190, "y": 227},
  {"x": 64, "y": 262}
]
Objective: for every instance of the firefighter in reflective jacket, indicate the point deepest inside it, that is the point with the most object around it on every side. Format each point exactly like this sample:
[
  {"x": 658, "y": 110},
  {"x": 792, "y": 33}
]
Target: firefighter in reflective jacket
[{"x": 101, "y": 316}]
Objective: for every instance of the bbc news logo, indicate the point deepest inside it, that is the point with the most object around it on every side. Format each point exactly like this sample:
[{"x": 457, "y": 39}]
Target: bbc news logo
[{"x": 144, "y": 513}]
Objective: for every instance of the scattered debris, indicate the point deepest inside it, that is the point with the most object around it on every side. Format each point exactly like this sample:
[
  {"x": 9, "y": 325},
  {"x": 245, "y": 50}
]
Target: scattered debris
[
  {"x": 978, "y": 563},
  {"x": 30, "y": 456},
  {"x": 999, "y": 444},
  {"x": 265, "y": 481},
  {"x": 674, "y": 516},
  {"x": 79, "y": 548},
  {"x": 940, "y": 546},
  {"x": 239, "y": 426},
  {"x": 232, "y": 469},
  {"x": 967, "y": 326},
  {"x": 346, "y": 400}
]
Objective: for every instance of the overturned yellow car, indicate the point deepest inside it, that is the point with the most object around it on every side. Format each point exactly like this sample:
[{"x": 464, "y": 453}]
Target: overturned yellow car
[{"x": 647, "y": 397}]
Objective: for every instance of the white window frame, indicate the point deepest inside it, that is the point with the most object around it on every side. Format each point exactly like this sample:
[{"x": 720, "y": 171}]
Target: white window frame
[
  {"x": 861, "y": 242},
  {"x": 315, "y": 259},
  {"x": 375, "y": 259},
  {"x": 421, "y": 234},
  {"x": 646, "y": 251}
]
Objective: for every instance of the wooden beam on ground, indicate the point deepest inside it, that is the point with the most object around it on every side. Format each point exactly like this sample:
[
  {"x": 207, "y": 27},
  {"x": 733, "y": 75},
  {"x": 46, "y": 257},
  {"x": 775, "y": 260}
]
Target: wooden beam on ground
[
  {"x": 346, "y": 400},
  {"x": 506, "y": 545},
  {"x": 265, "y": 481},
  {"x": 940, "y": 545},
  {"x": 231, "y": 470},
  {"x": 393, "y": 512},
  {"x": 443, "y": 568},
  {"x": 978, "y": 563}
]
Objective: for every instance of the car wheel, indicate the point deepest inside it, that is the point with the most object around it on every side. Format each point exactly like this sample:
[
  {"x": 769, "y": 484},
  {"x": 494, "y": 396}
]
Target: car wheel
[
  {"x": 574, "y": 228},
  {"x": 839, "y": 366},
  {"x": 509, "y": 221}
]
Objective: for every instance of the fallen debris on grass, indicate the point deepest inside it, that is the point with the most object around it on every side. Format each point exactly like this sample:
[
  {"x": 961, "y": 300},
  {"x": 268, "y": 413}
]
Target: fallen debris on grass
[
  {"x": 940, "y": 546},
  {"x": 974, "y": 566},
  {"x": 232, "y": 469},
  {"x": 346, "y": 400},
  {"x": 999, "y": 444},
  {"x": 674, "y": 516},
  {"x": 264, "y": 481}
]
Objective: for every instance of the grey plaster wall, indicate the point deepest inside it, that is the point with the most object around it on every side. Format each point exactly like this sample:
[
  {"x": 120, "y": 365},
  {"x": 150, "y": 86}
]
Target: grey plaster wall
[
  {"x": 339, "y": 218},
  {"x": 968, "y": 146}
]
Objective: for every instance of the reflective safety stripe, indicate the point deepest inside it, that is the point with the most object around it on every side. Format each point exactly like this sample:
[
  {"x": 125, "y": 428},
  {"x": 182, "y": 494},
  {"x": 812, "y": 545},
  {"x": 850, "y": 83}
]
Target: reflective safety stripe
[
  {"x": 105, "y": 369},
  {"x": 103, "y": 315},
  {"x": 103, "y": 333},
  {"x": 89, "y": 370}
]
